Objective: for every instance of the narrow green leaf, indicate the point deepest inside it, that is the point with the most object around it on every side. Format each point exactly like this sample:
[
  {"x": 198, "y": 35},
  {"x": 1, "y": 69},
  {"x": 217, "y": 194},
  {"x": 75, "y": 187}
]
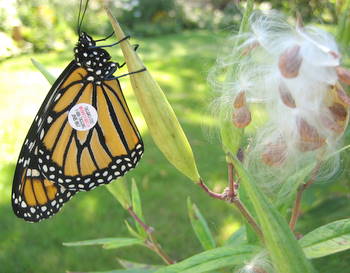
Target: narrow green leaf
[
  {"x": 200, "y": 226},
  {"x": 124, "y": 242},
  {"x": 121, "y": 271},
  {"x": 132, "y": 265},
  {"x": 120, "y": 191},
  {"x": 238, "y": 237},
  {"x": 213, "y": 259},
  {"x": 328, "y": 239},
  {"x": 252, "y": 237},
  {"x": 50, "y": 78},
  {"x": 108, "y": 242},
  {"x": 133, "y": 232},
  {"x": 137, "y": 207},
  {"x": 231, "y": 136},
  {"x": 285, "y": 252}
]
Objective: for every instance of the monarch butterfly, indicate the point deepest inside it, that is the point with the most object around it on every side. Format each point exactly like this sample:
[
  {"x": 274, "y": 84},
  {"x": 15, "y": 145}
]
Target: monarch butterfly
[{"x": 83, "y": 135}]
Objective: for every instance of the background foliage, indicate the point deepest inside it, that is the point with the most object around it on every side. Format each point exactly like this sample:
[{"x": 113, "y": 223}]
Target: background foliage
[
  {"x": 42, "y": 25},
  {"x": 189, "y": 34}
]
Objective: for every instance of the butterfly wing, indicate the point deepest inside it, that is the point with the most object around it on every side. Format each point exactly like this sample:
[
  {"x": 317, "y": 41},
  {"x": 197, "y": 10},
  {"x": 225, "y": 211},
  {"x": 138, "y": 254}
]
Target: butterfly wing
[
  {"x": 34, "y": 197},
  {"x": 84, "y": 159}
]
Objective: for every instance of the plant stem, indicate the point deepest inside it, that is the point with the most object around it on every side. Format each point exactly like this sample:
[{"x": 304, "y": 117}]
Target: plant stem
[
  {"x": 248, "y": 11},
  {"x": 232, "y": 184},
  {"x": 301, "y": 189},
  {"x": 147, "y": 228},
  {"x": 215, "y": 195},
  {"x": 151, "y": 243},
  {"x": 237, "y": 202}
]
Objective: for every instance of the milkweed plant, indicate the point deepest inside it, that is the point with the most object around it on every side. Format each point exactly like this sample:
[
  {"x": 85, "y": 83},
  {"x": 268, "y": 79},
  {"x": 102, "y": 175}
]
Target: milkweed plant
[{"x": 283, "y": 110}]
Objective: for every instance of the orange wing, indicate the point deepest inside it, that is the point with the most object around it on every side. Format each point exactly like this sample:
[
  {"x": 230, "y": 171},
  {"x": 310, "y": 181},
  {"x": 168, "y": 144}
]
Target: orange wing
[{"x": 83, "y": 158}]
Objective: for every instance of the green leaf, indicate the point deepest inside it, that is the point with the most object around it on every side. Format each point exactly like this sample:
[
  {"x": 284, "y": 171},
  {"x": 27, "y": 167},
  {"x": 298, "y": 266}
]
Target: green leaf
[
  {"x": 132, "y": 265},
  {"x": 108, "y": 243},
  {"x": 50, "y": 78},
  {"x": 238, "y": 237},
  {"x": 231, "y": 136},
  {"x": 285, "y": 252},
  {"x": 120, "y": 191},
  {"x": 122, "y": 271},
  {"x": 133, "y": 232},
  {"x": 252, "y": 237},
  {"x": 137, "y": 208},
  {"x": 200, "y": 226},
  {"x": 213, "y": 259},
  {"x": 328, "y": 239}
]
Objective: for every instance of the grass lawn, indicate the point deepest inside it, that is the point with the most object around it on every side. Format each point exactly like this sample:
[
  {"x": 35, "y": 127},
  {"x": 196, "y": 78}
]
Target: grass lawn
[{"x": 180, "y": 63}]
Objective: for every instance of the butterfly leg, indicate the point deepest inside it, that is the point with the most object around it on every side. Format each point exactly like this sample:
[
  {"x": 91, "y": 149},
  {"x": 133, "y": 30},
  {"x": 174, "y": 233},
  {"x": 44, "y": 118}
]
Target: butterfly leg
[
  {"x": 125, "y": 38},
  {"x": 127, "y": 74},
  {"x": 104, "y": 39}
]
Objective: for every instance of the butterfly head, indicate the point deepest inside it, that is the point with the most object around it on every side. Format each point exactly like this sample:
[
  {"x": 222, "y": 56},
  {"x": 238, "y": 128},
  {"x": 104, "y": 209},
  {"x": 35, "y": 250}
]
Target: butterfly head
[{"x": 86, "y": 40}]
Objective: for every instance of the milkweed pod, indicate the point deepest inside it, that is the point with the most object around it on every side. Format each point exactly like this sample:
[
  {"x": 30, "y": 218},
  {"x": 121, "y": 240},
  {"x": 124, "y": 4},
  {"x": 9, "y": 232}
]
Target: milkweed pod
[
  {"x": 120, "y": 191},
  {"x": 343, "y": 97},
  {"x": 343, "y": 75},
  {"x": 290, "y": 61},
  {"x": 338, "y": 111},
  {"x": 161, "y": 120}
]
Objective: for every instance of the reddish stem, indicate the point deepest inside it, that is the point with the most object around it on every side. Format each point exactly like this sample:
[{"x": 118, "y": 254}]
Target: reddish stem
[
  {"x": 152, "y": 242},
  {"x": 301, "y": 189},
  {"x": 237, "y": 202}
]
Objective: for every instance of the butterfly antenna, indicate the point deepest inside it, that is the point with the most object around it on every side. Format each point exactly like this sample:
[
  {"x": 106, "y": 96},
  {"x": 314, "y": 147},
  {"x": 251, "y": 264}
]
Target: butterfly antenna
[
  {"x": 78, "y": 23},
  {"x": 82, "y": 16}
]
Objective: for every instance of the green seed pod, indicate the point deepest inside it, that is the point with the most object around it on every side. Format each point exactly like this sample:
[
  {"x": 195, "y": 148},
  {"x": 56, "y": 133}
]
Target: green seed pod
[{"x": 161, "y": 120}]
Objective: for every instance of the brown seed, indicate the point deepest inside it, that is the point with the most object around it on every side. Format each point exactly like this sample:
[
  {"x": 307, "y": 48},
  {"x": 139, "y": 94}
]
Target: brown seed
[
  {"x": 290, "y": 61},
  {"x": 334, "y": 54},
  {"x": 275, "y": 154},
  {"x": 338, "y": 111},
  {"x": 343, "y": 75},
  {"x": 343, "y": 97},
  {"x": 241, "y": 117},
  {"x": 286, "y": 96},
  {"x": 309, "y": 137},
  {"x": 331, "y": 124},
  {"x": 239, "y": 100},
  {"x": 250, "y": 48}
]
